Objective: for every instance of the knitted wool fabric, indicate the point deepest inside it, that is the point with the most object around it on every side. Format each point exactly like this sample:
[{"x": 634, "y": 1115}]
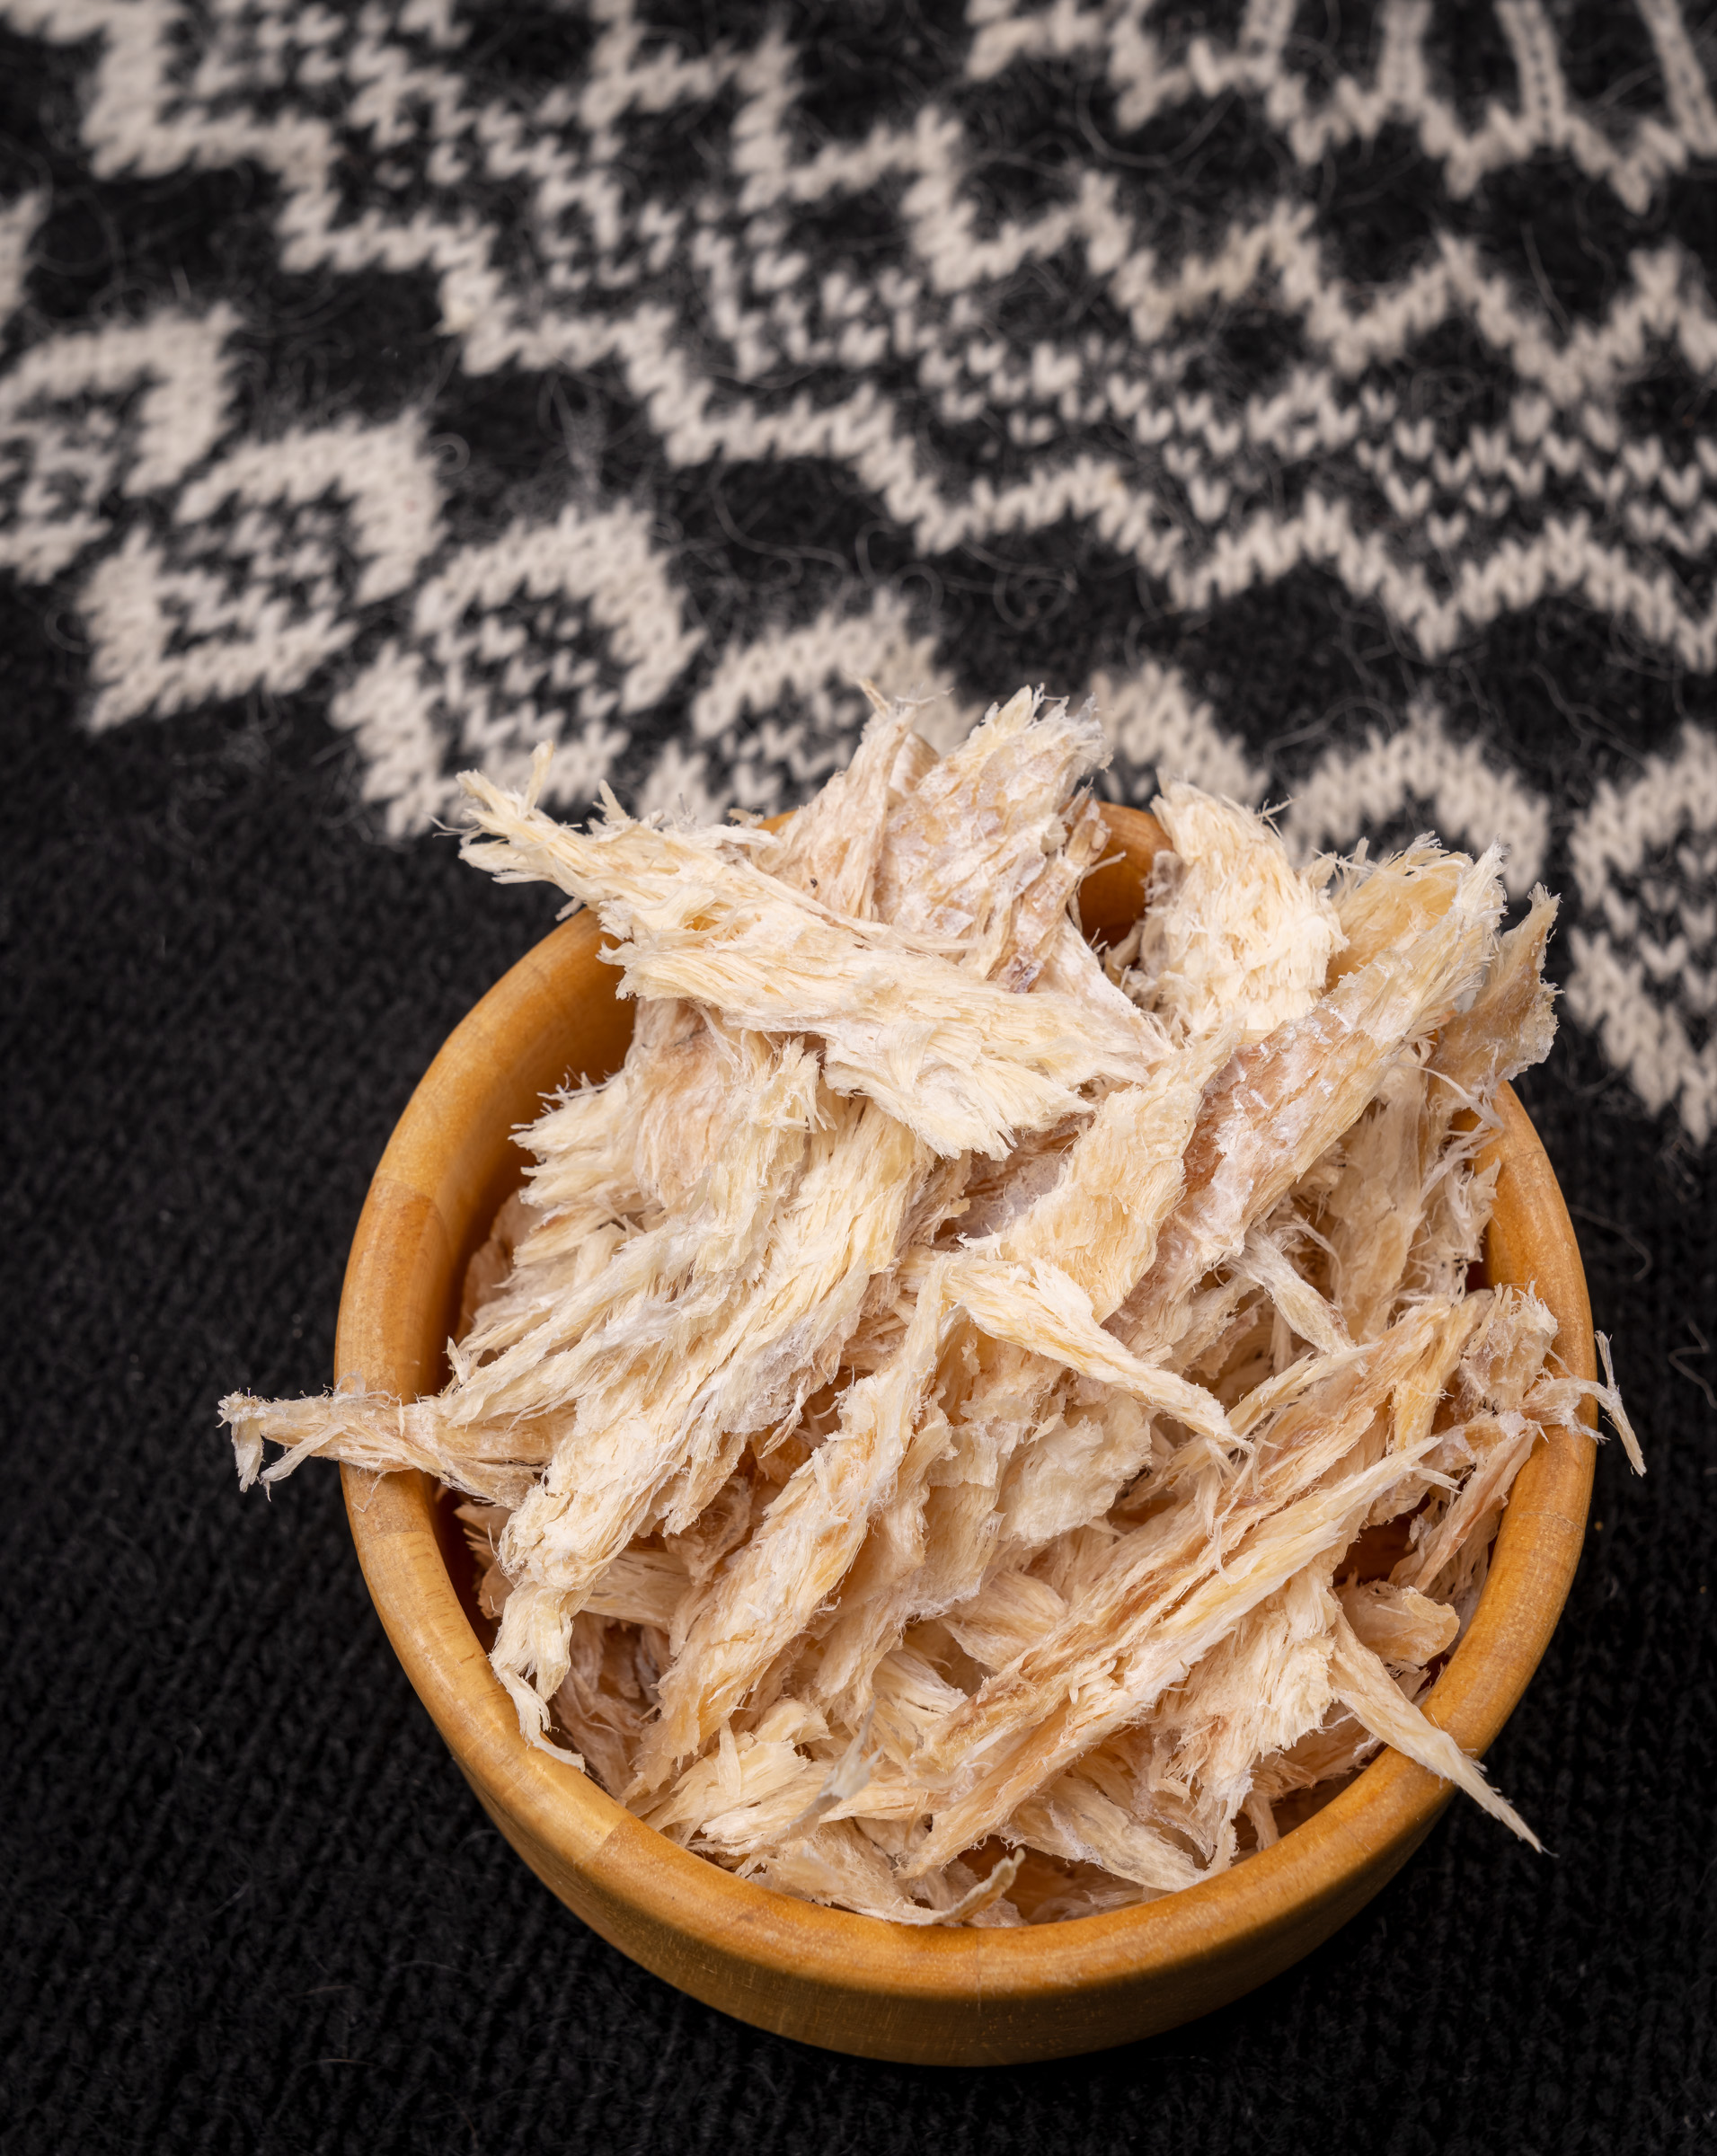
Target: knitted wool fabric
[{"x": 1327, "y": 389}]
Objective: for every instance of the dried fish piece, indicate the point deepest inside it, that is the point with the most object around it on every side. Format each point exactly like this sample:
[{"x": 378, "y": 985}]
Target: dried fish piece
[
  {"x": 1408, "y": 1214},
  {"x": 1077, "y": 1820},
  {"x": 833, "y": 848},
  {"x": 1100, "y": 1219},
  {"x": 1381, "y": 905},
  {"x": 989, "y": 847},
  {"x": 1012, "y": 1611},
  {"x": 1286, "y": 1098},
  {"x": 1372, "y": 1696},
  {"x": 1401, "y": 1626},
  {"x": 1231, "y": 936},
  {"x": 839, "y": 1864},
  {"x": 965, "y": 1064},
  {"x": 1557, "y": 1401},
  {"x": 1264, "y": 1687},
  {"x": 380, "y": 1435},
  {"x": 604, "y": 1699}
]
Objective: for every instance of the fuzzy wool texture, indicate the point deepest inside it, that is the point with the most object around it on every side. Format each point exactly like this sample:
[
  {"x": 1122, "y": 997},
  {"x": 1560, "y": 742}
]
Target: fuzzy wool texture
[
  {"x": 1364, "y": 321},
  {"x": 876, "y": 1558}
]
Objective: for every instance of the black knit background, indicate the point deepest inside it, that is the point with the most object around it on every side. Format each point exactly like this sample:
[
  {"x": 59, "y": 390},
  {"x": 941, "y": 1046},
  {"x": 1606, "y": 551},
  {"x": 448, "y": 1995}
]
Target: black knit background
[{"x": 248, "y": 1903}]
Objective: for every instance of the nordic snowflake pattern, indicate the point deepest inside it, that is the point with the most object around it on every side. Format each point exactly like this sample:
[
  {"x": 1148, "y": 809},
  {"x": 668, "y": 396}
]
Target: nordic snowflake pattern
[{"x": 917, "y": 371}]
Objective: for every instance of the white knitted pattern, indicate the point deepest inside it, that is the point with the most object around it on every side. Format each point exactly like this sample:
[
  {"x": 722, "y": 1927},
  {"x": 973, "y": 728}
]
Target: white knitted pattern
[
  {"x": 205, "y": 562},
  {"x": 1446, "y": 785},
  {"x": 1645, "y": 949}
]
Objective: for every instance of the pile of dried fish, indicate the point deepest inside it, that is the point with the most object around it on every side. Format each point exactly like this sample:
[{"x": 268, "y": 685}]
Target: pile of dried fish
[{"x": 929, "y": 1419}]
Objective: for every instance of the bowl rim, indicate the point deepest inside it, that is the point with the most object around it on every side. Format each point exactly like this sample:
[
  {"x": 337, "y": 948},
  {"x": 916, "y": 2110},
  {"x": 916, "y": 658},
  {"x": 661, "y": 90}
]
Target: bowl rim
[{"x": 799, "y": 1966}]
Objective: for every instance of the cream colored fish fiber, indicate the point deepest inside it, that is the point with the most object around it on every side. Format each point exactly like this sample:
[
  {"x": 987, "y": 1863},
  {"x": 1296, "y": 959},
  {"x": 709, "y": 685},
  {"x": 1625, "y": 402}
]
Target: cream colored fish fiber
[{"x": 964, "y": 1431}]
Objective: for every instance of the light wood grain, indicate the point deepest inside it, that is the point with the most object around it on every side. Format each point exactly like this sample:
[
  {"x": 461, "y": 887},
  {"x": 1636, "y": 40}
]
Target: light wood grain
[{"x": 851, "y": 1982}]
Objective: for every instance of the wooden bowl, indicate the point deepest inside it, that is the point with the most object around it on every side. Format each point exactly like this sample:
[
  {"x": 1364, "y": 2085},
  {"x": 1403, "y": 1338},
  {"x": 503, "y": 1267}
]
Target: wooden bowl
[{"x": 855, "y": 1983}]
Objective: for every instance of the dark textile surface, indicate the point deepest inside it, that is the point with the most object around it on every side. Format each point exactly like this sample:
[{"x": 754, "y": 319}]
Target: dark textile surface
[{"x": 384, "y": 391}]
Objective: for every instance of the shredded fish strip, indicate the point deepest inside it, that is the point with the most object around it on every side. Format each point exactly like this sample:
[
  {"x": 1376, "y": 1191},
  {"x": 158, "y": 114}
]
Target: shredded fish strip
[{"x": 927, "y": 1420}]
